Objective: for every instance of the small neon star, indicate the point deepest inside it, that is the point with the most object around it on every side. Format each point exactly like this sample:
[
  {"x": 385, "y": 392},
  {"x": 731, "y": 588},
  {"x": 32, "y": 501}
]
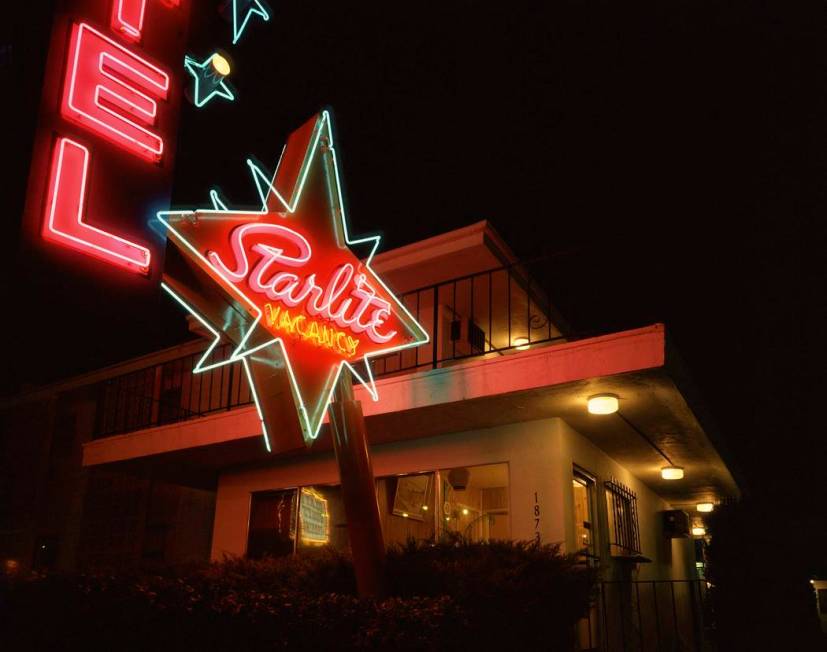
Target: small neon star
[
  {"x": 242, "y": 10},
  {"x": 209, "y": 80}
]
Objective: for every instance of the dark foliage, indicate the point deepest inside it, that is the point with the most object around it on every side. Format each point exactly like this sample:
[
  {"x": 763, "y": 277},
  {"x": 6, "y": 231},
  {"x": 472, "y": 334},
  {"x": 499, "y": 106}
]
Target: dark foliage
[
  {"x": 761, "y": 596},
  {"x": 516, "y": 595},
  {"x": 443, "y": 596}
]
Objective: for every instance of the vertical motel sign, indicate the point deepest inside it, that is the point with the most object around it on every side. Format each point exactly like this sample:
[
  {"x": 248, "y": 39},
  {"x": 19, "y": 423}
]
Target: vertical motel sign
[{"x": 104, "y": 146}]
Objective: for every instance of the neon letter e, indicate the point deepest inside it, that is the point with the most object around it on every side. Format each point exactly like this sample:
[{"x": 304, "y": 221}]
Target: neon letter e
[{"x": 112, "y": 91}]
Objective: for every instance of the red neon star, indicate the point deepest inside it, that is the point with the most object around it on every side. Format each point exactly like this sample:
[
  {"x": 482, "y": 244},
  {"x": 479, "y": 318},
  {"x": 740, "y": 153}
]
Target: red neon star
[{"x": 283, "y": 285}]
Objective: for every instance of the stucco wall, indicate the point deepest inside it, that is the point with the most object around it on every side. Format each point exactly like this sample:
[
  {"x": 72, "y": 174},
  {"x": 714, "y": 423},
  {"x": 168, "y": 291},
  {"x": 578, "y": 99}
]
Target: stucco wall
[
  {"x": 540, "y": 455},
  {"x": 671, "y": 558}
]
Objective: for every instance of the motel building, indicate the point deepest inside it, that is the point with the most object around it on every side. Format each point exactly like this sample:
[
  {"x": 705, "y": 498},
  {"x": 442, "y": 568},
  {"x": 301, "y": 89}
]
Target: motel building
[{"x": 485, "y": 432}]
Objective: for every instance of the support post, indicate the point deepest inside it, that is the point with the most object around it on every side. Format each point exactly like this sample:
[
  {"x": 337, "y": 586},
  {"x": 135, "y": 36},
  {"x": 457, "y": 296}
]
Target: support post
[{"x": 347, "y": 424}]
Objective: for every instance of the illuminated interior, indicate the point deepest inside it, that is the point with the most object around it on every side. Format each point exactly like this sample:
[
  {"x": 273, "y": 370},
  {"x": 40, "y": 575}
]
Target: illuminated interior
[
  {"x": 582, "y": 497},
  {"x": 474, "y": 502},
  {"x": 467, "y": 502}
]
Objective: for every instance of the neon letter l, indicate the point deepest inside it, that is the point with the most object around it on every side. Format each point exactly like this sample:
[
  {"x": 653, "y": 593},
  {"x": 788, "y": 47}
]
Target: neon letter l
[{"x": 64, "y": 212}]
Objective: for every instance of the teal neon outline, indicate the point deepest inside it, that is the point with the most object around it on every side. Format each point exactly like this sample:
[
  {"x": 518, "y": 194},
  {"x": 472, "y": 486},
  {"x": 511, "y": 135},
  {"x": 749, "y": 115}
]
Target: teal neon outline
[
  {"x": 222, "y": 90},
  {"x": 255, "y": 8},
  {"x": 310, "y": 427},
  {"x": 200, "y": 367},
  {"x": 252, "y": 385},
  {"x": 217, "y": 203}
]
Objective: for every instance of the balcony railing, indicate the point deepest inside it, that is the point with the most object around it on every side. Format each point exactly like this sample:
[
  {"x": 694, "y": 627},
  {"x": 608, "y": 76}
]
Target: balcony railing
[{"x": 489, "y": 313}]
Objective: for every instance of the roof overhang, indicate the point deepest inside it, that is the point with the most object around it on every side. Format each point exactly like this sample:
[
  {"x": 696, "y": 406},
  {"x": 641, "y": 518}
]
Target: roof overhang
[
  {"x": 543, "y": 382},
  {"x": 468, "y": 250}
]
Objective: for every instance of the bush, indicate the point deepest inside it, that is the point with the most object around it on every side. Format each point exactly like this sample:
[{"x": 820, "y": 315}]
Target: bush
[
  {"x": 516, "y": 594},
  {"x": 443, "y": 596}
]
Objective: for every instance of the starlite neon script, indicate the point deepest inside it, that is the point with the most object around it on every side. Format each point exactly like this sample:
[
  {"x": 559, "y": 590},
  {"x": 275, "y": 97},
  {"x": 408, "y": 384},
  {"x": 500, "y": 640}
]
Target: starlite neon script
[{"x": 283, "y": 285}]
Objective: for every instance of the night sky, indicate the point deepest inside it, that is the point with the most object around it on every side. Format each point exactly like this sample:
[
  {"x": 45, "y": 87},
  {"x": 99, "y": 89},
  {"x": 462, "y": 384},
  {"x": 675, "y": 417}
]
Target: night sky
[{"x": 667, "y": 156}]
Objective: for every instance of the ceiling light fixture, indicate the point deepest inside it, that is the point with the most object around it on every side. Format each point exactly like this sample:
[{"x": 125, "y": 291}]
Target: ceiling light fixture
[
  {"x": 610, "y": 404},
  {"x": 671, "y": 472},
  {"x": 603, "y": 404}
]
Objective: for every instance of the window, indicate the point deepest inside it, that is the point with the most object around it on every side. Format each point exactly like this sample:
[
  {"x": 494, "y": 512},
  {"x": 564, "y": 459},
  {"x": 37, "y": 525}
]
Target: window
[
  {"x": 272, "y": 531},
  {"x": 471, "y": 502},
  {"x": 407, "y": 507},
  {"x": 474, "y": 502},
  {"x": 583, "y": 509},
  {"x": 624, "y": 536}
]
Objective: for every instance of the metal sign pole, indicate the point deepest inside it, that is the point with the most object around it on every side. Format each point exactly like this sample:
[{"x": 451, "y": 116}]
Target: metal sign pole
[{"x": 358, "y": 489}]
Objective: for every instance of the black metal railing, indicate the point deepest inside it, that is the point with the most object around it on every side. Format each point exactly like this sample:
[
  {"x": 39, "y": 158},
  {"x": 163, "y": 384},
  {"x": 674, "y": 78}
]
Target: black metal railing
[
  {"x": 648, "y": 615},
  {"x": 490, "y": 312},
  {"x": 485, "y": 314},
  {"x": 169, "y": 392}
]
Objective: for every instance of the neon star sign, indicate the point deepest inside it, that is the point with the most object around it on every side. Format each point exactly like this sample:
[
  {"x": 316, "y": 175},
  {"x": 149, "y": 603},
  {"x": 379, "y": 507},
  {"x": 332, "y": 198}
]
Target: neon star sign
[
  {"x": 285, "y": 287},
  {"x": 243, "y": 11},
  {"x": 207, "y": 83}
]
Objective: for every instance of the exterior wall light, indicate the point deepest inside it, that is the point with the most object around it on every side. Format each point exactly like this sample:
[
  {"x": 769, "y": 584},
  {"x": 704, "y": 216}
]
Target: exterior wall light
[
  {"x": 603, "y": 404},
  {"x": 424, "y": 508},
  {"x": 220, "y": 65},
  {"x": 521, "y": 343},
  {"x": 705, "y": 507},
  {"x": 698, "y": 531},
  {"x": 671, "y": 472},
  {"x": 465, "y": 511}
]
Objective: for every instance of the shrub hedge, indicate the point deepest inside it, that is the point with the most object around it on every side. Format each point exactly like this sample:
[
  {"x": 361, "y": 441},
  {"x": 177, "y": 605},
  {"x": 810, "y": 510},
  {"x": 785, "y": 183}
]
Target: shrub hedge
[{"x": 441, "y": 596}]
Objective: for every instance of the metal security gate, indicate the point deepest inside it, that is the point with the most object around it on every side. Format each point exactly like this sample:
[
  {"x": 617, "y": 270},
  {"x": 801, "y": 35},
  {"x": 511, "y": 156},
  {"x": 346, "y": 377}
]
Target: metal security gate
[{"x": 643, "y": 616}]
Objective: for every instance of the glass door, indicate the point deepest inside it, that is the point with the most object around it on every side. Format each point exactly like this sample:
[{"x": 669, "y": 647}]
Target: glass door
[{"x": 583, "y": 497}]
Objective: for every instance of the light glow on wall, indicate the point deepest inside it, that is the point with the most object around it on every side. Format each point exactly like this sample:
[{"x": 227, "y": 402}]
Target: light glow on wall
[{"x": 705, "y": 507}]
